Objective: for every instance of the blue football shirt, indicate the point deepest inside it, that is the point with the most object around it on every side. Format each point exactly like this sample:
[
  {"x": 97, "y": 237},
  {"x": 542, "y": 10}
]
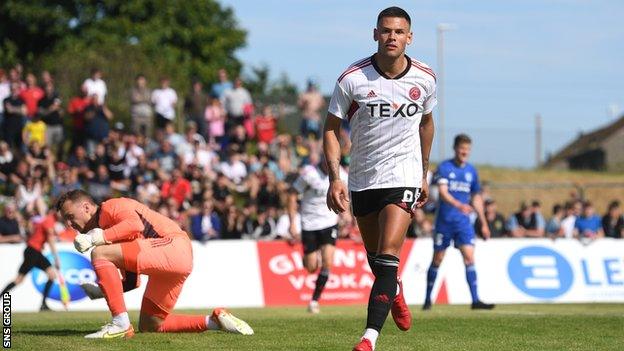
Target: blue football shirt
[{"x": 462, "y": 182}]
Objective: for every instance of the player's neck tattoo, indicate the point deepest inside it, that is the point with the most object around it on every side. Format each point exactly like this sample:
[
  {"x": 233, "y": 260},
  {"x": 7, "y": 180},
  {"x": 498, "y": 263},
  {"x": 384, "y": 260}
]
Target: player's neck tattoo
[{"x": 334, "y": 169}]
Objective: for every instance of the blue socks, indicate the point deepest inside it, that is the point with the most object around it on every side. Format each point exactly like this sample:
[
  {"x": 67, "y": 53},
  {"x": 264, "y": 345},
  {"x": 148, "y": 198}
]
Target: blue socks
[
  {"x": 432, "y": 273},
  {"x": 471, "y": 278}
]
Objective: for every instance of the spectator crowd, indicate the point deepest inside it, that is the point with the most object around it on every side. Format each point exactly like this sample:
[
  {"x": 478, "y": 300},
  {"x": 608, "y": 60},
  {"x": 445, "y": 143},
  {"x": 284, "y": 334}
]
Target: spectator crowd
[{"x": 225, "y": 175}]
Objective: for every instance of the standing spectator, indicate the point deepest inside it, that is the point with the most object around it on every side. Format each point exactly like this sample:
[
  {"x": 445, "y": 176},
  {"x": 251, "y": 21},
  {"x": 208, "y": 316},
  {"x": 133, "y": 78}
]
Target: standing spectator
[
  {"x": 46, "y": 78},
  {"x": 495, "y": 221},
  {"x": 14, "y": 118},
  {"x": 236, "y": 101},
  {"x": 51, "y": 113},
  {"x": 15, "y": 76},
  {"x": 613, "y": 221},
  {"x": 218, "y": 89},
  {"x": 526, "y": 223},
  {"x": 195, "y": 107},
  {"x": 31, "y": 95},
  {"x": 97, "y": 124},
  {"x": 177, "y": 188},
  {"x": 77, "y": 107},
  {"x": 215, "y": 118},
  {"x": 554, "y": 228},
  {"x": 588, "y": 225},
  {"x": 311, "y": 102},
  {"x": 10, "y": 228},
  {"x": 266, "y": 126},
  {"x": 573, "y": 210},
  {"x": 5, "y": 92},
  {"x": 96, "y": 86},
  {"x": 165, "y": 100},
  {"x": 141, "y": 107}
]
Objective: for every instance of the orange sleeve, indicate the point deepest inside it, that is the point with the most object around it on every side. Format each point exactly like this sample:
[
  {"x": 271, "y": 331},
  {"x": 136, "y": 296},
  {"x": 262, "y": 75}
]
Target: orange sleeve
[{"x": 120, "y": 221}]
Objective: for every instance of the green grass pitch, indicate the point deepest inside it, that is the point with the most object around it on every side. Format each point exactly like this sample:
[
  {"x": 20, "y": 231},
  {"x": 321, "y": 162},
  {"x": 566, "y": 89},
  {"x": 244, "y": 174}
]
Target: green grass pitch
[{"x": 508, "y": 327}]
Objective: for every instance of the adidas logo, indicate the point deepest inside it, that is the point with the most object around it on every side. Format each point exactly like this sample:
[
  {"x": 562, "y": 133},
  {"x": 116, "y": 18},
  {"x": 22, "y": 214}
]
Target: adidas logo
[
  {"x": 371, "y": 94},
  {"x": 383, "y": 298}
]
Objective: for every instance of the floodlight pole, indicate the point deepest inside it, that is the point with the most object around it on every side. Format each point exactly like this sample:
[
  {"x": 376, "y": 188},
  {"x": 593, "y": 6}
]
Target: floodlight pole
[{"x": 442, "y": 27}]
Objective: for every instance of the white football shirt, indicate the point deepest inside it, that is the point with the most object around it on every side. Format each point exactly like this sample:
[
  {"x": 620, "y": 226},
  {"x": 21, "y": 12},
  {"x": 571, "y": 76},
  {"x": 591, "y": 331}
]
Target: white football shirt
[
  {"x": 384, "y": 114},
  {"x": 313, "y": 184}
]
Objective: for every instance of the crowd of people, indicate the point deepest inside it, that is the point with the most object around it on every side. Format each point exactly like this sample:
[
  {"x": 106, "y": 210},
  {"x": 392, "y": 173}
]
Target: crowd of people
[{"x": 226, "y": 175}]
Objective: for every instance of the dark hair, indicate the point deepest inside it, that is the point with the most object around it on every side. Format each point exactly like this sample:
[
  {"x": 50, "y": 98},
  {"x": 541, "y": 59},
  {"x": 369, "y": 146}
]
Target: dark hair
[
  {"x": 461, "y": 139},
  {"x": 535, "y": 203},
  {"x": 614, "y": 204},
  {"x": 140, "y": 75},
  {"x": 557, "y": 208},
  {"x": 394, "y": 12},
  {"x": 73, "y": 195}
]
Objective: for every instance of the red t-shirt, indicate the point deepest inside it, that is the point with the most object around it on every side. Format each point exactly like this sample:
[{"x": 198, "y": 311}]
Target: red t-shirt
[
  {"x": 178, "y": 190},
  {"x": 31, "y": 97},
  {"x": 40, "y": 232},
  {"x": 265, "y": 127},
  {"x": 76, "y": 108}
]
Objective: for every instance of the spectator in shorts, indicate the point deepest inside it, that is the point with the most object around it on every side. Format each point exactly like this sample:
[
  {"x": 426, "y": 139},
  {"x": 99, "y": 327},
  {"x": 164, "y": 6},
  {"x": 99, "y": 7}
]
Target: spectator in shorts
[
  {"x": 141, "y": 107},
  {"x": 14, "y": 118},
  {"x": 220, "y": 88},
  {"x": 51, "y": 113},
  {"x": 235, "y": 102},
  {"x": 310, "y": 103},
  {"x": 31, "y": 95},
  {"x": 613, "y": 221},
  {"x": 165, "y": 101},
  {"x": 195, "y": 107}
]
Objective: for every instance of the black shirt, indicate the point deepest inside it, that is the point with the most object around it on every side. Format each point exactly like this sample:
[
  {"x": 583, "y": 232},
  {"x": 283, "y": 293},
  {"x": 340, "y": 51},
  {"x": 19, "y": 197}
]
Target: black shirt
[
  {"x": 8, "y": 226},
  {"x": 52, "y": 118},
  {"x": 613, "y": 229}
]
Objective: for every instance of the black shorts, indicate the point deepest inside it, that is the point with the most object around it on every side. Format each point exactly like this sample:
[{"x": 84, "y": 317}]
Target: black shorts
[
  {"x": 312, "y": 240},
  {"x": 373, "y": 200},
  {"x": 33, "y": 258}
]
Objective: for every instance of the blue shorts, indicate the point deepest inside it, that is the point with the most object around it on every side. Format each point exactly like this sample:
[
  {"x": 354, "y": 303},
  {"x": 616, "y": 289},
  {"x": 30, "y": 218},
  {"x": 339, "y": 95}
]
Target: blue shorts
[{"x": 460, "y": 233}]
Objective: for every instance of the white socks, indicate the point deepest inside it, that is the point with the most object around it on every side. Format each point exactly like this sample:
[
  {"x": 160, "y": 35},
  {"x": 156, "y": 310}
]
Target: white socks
[
  {"x": 122, "y": 320},
  {"x": 371, "y": 334},
  {"x": 211, "y": 324}
]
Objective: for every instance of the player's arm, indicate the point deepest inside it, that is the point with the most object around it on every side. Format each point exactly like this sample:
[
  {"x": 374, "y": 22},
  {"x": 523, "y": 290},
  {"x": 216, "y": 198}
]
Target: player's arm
[
  {"x": 292, "y": 213},
  {"x": 425, "y": 130},
  {"x": 477, "y": 202},
  {"x": 337, "y": 196},
  {"x": 51, "y": 239},
  {"x": 127, "y": 226},
  {"x": 448, "y": 198}
]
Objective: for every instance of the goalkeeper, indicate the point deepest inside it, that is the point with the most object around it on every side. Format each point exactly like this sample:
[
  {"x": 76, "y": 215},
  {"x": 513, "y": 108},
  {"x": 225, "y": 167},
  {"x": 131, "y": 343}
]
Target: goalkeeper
[{"x": 128, "y": 236}]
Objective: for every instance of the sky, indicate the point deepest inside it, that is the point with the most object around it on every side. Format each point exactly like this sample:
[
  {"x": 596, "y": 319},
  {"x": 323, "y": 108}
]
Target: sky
[{"x": 504, "y": 62}]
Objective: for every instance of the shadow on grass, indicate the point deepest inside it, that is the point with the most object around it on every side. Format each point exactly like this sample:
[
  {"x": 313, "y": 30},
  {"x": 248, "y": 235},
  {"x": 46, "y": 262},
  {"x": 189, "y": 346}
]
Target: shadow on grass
[{"x": 55, "y": 332}]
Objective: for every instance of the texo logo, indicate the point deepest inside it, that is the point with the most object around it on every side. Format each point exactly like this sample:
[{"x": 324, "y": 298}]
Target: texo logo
[
  {"x": 540, "y": 272},
  {"x": 75, "y": 268}
]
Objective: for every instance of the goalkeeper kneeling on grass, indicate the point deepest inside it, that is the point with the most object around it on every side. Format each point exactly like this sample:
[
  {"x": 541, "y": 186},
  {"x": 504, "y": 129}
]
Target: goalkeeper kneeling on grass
[{"x": 129, "y": 237}]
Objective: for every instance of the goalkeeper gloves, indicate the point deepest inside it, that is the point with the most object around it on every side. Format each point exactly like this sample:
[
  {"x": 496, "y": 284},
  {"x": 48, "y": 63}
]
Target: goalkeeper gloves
[{"x": 94, "y": 237}]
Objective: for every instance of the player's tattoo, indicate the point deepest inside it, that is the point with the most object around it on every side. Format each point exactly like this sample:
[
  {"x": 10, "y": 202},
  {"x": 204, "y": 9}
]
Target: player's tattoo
[
  {"x": 425, "y": 165},
  {"x": 334, "y": 169}
]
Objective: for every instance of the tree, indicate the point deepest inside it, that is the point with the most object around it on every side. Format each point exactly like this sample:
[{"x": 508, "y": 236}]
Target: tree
[{"x": 181, "y": 39}]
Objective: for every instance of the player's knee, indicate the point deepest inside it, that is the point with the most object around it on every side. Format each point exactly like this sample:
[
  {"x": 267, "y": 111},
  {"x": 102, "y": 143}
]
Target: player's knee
[
  {"x": 469, "y": 261},
  {"x": 310, "y": 266},
  {"x": 51, "y": 274},
  {"x": 19, "y": 280},
  {"x": 99, "y": 252}
]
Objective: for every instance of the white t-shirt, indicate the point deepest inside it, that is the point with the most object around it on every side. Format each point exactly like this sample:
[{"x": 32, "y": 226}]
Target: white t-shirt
[
  {"x": 163, "y": 100},
  {"x": 313, "y": 184},
  {"x": 384, "y": 115},
  {"x": 236, "y": 171},
  {"x": 5, "y": 92},
  {"x": 567, "y": 224},
  {"x": 96, "y": 87}
]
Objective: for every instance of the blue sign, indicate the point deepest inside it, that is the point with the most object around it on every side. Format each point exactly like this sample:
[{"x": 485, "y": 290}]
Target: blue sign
[
  {"x": 75, "y": 268},
  {"x": 540, "y": 272}
]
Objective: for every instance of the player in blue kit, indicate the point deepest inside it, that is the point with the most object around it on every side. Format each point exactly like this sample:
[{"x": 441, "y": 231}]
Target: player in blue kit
[{"x": 458, "y": 184}]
